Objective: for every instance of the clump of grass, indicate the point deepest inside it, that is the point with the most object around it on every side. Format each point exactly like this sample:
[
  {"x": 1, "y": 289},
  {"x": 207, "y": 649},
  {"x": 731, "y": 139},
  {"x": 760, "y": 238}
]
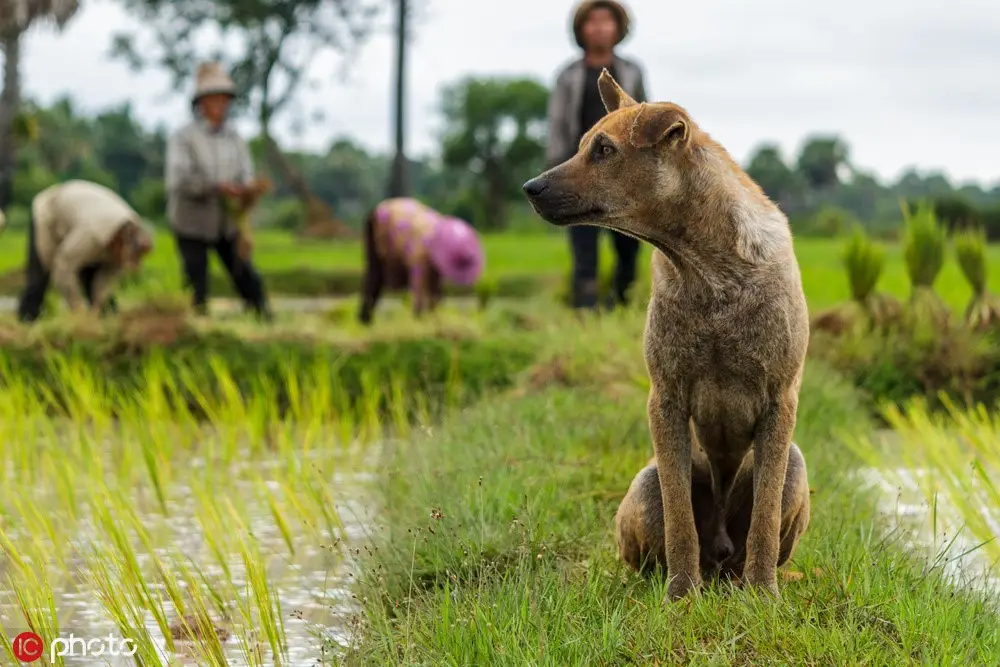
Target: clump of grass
[
  {"x": 983, "y": 311},
  {"x": 925, "y": 242}
]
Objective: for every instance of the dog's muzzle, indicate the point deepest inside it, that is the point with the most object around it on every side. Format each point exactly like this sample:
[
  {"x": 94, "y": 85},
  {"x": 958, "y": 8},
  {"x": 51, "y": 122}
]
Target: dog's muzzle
[{"x": 558, "y": 206}]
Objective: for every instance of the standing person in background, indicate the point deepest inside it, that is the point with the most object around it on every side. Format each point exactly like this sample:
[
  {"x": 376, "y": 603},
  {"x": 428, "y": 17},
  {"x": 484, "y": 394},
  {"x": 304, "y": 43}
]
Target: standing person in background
[
  {"x": 575, "y": 106},
  {"x": 409, "y": 244},
  {"x": 209, "y": 176}
]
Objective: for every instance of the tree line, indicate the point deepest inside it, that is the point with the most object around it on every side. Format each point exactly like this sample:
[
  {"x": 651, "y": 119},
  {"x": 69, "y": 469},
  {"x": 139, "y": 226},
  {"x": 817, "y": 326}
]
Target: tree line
[{"x": 495, "y": 134}]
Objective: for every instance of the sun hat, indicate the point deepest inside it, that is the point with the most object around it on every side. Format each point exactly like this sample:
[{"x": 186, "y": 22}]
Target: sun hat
[
  {"x": 455, "y": 251},
  {"x": 211, "y": 79},
  {"x": 584, "y": 9}
]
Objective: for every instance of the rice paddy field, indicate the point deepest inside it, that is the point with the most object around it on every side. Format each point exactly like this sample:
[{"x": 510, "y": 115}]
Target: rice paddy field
[
  {"x": 442, "y": 491},
  {"x": 518, "y": 265}
]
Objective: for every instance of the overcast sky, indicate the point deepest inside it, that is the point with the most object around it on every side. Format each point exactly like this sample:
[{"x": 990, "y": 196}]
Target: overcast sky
[{"x": 906, "y": 82}]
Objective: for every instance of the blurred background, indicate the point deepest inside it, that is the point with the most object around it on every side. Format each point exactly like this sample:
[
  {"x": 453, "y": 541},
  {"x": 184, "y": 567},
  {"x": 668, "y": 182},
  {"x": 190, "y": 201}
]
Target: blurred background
[{"x": 837, "y": 109}]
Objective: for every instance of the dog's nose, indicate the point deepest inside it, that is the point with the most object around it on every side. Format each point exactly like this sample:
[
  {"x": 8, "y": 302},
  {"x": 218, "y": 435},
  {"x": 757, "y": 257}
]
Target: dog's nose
[{"x": 534, "y": 187}]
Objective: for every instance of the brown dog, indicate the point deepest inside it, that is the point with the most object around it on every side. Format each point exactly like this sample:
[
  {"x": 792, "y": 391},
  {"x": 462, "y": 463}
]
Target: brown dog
[
  {"x": 639, "y": 521},
  {"x": 727, "y": 326}
]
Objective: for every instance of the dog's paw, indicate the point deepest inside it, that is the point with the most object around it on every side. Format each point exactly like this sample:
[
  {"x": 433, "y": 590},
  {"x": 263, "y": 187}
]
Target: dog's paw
[
  {"x": 765, "y": 582},
  {"x": 681, "y": 585}
]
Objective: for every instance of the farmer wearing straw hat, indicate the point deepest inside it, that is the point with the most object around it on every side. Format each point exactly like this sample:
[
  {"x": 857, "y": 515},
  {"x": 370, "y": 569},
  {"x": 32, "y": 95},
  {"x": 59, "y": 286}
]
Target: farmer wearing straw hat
[
  {"x": 210, "y": 189},
  {"x": 575, "y": 106},
  {"x": 408, "y": 243},
  {"x": 82, "y": 237}
]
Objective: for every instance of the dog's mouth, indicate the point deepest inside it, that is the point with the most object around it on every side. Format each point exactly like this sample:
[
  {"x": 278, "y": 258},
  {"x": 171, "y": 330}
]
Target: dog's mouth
[{"x": 567, "y": 218}]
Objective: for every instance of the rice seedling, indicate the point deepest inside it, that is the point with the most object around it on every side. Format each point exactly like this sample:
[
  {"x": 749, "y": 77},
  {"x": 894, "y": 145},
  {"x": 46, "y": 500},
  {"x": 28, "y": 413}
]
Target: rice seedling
[
  {"x": 864, "y": 261},
  {"x": 983, "y": 311},
  {"x": 953, "y": 461},
  {"x": 130, "y": 475},
  {"x": 925, "y": 242}
]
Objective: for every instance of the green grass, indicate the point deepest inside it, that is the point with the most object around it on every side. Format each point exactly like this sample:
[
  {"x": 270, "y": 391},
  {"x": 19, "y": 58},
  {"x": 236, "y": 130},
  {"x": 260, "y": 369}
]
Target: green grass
[
  {"x": 208, "y": 479},
  {"x": 295, "y": 266},
  {"x": 498, "y": 546}
]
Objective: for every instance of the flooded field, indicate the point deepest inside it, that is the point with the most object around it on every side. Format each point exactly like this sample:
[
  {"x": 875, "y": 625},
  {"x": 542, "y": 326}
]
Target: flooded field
[
  {"x": 222, "y": 542},
  {"x": 940, "y": 509}
]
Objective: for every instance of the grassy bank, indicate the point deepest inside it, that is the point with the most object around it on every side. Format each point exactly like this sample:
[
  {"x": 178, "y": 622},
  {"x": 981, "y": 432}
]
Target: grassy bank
[
  {"x": 221, "y": 472},
  {"x": 498, "y": 545},
  {"x": 424, "y": 365},
  {"x": 519, "y": 265}
]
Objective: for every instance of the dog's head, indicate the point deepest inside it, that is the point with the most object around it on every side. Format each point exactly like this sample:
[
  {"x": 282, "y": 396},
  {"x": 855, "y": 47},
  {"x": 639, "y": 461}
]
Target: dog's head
[{"x": 631, "y": 162}]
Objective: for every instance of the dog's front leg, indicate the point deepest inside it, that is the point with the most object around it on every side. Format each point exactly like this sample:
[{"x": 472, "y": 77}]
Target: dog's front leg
[
  {"x": 669, "y": 425},
  {"x": 772, "y": 440}
]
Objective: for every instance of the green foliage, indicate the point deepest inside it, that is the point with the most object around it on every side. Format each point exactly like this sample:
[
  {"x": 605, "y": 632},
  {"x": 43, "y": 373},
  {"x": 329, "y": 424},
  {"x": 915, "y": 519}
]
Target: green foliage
[
  {"x": 25, "y": 127},
  {"x": 18, "y": 217},
  {"x": 864, "y": 261},
  {"x": 831, "y": 221},
  {"x": 924, "y": 245},
  {"x": 768, "y": 169},
  {"x": 955, "y": 212},
  {"x": 286, "y": 213},
  {"x": 495, "y": 133},
  {"x": 30, "y": 180},
  {"x": 820, "y": 161},
  {"x": 921, "y": 360},
  {"x": 149, "y": 198},
  {"x": 990, "y": 217}
]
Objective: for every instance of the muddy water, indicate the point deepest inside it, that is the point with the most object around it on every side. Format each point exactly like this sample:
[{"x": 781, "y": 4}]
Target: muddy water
[
  {"x": 936, "y": 530},
  {"x": 313, "y": 586}
]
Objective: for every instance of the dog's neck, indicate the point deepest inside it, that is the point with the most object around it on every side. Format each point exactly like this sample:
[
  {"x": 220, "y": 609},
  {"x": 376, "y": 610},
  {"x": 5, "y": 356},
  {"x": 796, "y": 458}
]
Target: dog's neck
[{"x": 723, "y": 228}]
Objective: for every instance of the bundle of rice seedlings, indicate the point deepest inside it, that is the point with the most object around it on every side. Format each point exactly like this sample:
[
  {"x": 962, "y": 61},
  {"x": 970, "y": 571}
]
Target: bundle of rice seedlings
[
  {"x": 924, "y": 244},
  {"x": 864, "y": 261},
  {"x": 983, "y": 311}
]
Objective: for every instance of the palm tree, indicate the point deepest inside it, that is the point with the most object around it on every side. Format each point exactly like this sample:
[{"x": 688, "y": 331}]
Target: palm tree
[{"x": 16, "y": 18}]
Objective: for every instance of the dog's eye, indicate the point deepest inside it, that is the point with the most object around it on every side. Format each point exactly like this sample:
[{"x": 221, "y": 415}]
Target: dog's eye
[{"x": 603, "y": 150}]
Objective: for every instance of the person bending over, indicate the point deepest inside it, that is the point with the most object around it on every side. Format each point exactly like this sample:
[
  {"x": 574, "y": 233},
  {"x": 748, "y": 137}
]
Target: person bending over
[
  {"x": 409, "y": 244},
  {"x": 81, "y": 237}
]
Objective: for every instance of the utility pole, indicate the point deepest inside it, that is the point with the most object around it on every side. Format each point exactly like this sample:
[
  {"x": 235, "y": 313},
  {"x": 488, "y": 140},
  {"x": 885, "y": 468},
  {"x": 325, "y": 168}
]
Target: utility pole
[{"x": 399, "y": 180}]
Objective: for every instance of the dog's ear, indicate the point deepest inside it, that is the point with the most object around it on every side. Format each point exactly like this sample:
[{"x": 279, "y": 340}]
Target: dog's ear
[
  {"x": 655, "y": 125},
  {"x": 612, "y": 95}
]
